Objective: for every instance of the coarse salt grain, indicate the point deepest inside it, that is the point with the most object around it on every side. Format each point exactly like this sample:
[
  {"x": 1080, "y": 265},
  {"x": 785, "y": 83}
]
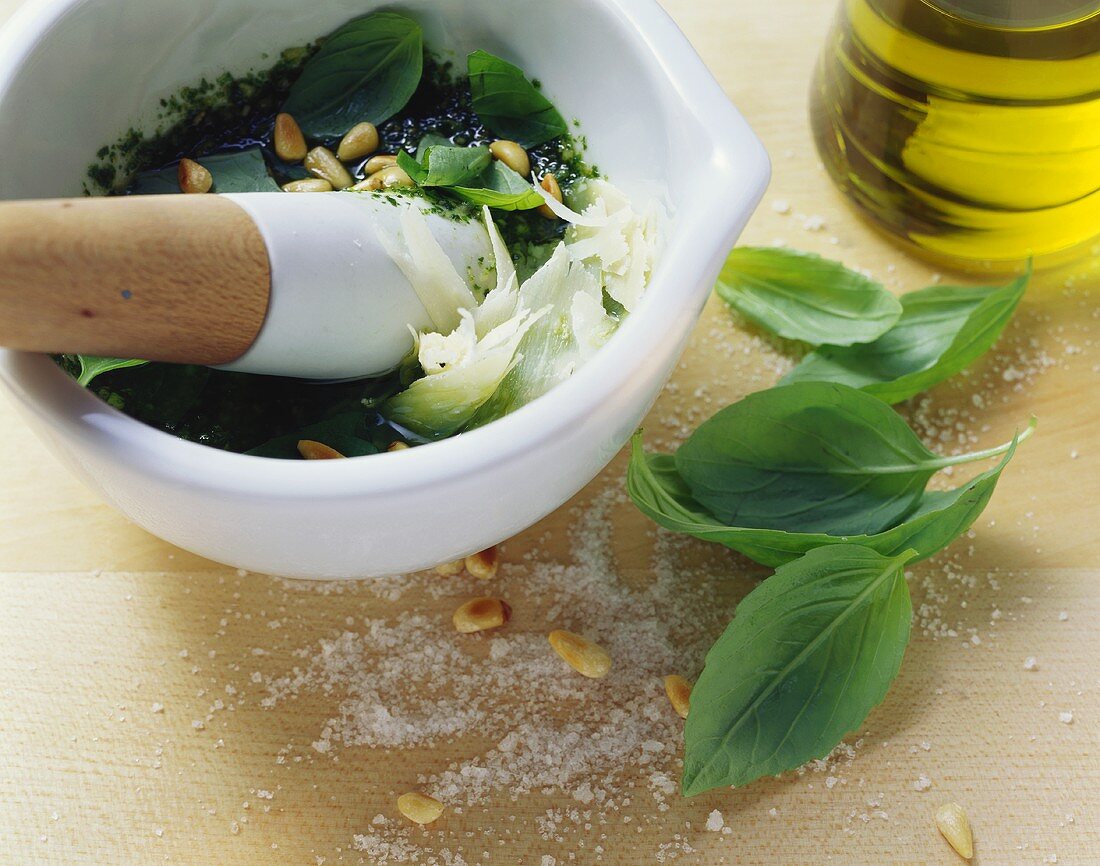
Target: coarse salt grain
[{"x": 715, "y": 821}]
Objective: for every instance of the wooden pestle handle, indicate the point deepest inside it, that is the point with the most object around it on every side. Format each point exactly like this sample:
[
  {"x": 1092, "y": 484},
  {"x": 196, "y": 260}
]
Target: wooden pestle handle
[{"x": 181, "y": 278}]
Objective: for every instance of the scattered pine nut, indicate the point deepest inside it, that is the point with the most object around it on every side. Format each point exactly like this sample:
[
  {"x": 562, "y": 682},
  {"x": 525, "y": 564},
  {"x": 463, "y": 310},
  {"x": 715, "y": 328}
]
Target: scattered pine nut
[
  {"x": 376, "y": 163},
  {"x": 309, "y": 184},
  {"x": 481, "y": 614},
  {"x": 955, "y": 827},
  {"x": 398, "y": 446},
  {"x": 450, "y": 569},
  {"x": 311, "y": 450},
  {"x": 194, "y": 178},
  {"x": 484, "y": 565},
  {"x": 512, "y": 155},
  {"x": 419, "y": 808},
  {"x": 550, "y": 184},
  {"x": 323, "y": 163},
  {"x": 360, "y": 140},
  {"x": 290, "y": 144},
  {"x": 679, "y": 694},
  {"x": 586, "y": 658}
]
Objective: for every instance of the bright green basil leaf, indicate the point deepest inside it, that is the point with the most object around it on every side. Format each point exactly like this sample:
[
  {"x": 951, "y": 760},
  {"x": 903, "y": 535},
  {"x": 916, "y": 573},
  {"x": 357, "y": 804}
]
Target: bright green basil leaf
[
  {"x": 804, "y": 297},
  {"x": 93, "y": 365},
  {"x": 810, "y": 457},
  {"x": 809, "y": 653},
  {"x": 447, "y": 166},
  {"x": 939, "y": 518},
  {"x": 349, "y": 433},
  {"x": 501, "y": 188},
  {"x": 236, "y": 171},
  {"x": 430, "y": 140},
  {"x": 366, "y": 70},
  {"x": 509, "y": 104},
  {"x": 942, "y": 330}
]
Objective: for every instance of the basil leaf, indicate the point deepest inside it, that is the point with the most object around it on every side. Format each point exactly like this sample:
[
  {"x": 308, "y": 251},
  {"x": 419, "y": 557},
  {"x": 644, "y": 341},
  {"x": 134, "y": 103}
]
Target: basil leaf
[
  {"x": 430, "y": 140},
  {"x": 501, "y": 188},
  {"x": 347, "y": 432},
  {"x": 366, "y": 70},
  {"x": 810, "y": 457},
  {"x": 446, "y": 165},
  {"x": 939, "y": 518},
  {"x": 809, "y": 653},
  {"x": 93, "y": 365},
  {"x": 804, "y": 297},
  {"x": 942, "y": 330},
  {"x": 236, "y": 171},
  {"x": 509, "y": 104}
]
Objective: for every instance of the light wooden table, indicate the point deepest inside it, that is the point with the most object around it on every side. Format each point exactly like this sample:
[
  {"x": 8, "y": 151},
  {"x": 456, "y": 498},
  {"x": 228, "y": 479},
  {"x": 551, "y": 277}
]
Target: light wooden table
[{"x": 96, "y": 615}]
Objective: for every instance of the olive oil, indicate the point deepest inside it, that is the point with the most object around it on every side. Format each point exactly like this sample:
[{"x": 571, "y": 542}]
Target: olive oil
[{"x": 969, "y": 128}]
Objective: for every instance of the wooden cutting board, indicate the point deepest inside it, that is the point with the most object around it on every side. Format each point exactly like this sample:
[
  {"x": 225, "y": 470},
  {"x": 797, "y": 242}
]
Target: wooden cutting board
[{"x": 131, "y": 731}]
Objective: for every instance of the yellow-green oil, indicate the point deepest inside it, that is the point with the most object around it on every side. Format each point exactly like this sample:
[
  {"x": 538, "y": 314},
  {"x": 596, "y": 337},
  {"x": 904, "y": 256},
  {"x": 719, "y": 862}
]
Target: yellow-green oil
[{"x": 969, "y": 128}]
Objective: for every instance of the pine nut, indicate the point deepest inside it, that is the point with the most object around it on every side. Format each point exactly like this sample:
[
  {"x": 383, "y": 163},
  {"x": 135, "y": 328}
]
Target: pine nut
[
  {"x": 585, "y": 657},
  {"x": 419, "y": 808},
  {"x": 360, "y": 140},
  {"x": 323, "y": 163},
  {"x": 309, "y": 184},
  {"x": 379, "y": 162},
  {"x": 290, "y": 144},
  {"x": 311, "y": 450},
  {"x": 679, "y": 694},
  {"x": 388, "y": 177},
  {"x": 393, "y": 175},
  {"x": 955, "y": 827},
  {"x": 484, "y": 565},
  {"x": 512, "y": 155},
  {"x": 398, "y": 446},
  {"x": 481, "y": 614},
  {"x": 450, "y": 569},
  {"x": 194, "y": 178},
  {"x": 550, "y": 184}
]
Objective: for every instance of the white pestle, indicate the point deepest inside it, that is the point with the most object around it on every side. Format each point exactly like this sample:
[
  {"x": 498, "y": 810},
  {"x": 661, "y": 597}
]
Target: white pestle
[{"x": 339, "y": 306}]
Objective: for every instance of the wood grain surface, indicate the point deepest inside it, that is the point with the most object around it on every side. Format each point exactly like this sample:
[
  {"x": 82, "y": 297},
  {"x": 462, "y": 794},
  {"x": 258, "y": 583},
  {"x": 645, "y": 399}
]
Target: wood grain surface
[
  {"x": 114, "y": 644},
  {"x": 181, "y": 278}
]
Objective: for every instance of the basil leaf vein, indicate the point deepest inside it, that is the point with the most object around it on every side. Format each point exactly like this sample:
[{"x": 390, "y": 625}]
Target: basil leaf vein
[
  {"x": 366, "y": 70},
  {"x": 807, "y": 656},
  {"x": 509, "y": 104},
  {"x": 941, "y": 332},
  {"x": 94, "y": 365},
  {"x": 801, "y": 296},
  {"x": 810, "y": 457},
  {"x": 939, "y": 518}
]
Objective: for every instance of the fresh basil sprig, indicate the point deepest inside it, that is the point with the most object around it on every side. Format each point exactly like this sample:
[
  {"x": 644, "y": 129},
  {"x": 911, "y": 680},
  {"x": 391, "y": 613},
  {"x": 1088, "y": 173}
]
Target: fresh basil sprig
[
  {"x": 942, "y": 330},
  {"x": 510, "y": 105},
  {"x": 236, "y": 171},
  {"x": 939, "y": 518},
  {"x": 93, "y": 365},
  {"x": 366, "y": 70},
  {"x": 811, "y": 457},
  {"x": 446, "y": 165},
  {"x": 807, "y": 656},
  {"x": 804, "y": 297}
]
